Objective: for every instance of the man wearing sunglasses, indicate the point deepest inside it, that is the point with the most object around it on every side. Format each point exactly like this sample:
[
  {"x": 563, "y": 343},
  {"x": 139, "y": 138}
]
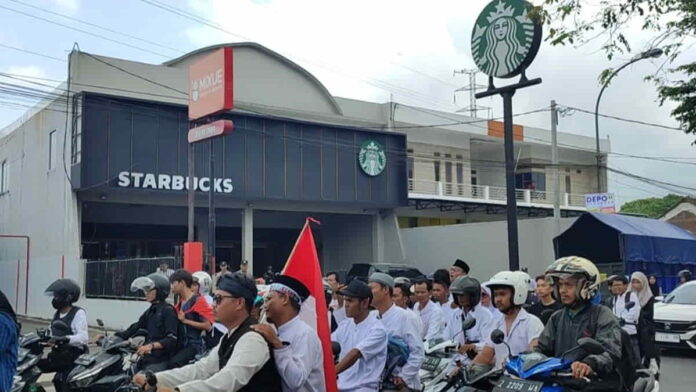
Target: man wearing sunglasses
[{"x": 242, "y": 362}]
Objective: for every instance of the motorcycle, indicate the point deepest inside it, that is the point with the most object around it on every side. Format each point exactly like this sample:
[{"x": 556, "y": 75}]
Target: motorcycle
[
  {"x": 535, "y": 372},
  {"x": 112, "y": 367},
  {"x": 439, "y": 356},
  {"x": 31, "y": 347}
]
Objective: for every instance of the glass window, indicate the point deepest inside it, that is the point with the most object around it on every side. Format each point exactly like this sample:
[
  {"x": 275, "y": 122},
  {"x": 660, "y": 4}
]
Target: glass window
[
  {"x": 52, "y": 149},
  {"x": 448, "y": 171},
  {"x": 436, "y": 166},
  {"x": 4, "y": 177},
  {"x": 460, "y": 173},
  {"x": 684, "y": 295}
]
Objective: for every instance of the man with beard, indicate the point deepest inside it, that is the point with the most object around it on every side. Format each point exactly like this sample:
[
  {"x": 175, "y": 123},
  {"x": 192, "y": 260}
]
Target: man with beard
[
  {"x": 296, "y": 346},
  {"x": 521, "y": 329}
]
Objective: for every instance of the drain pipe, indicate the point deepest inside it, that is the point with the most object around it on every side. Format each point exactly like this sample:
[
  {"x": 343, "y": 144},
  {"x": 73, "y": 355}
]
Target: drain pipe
[{"x": 26, "y": 285}]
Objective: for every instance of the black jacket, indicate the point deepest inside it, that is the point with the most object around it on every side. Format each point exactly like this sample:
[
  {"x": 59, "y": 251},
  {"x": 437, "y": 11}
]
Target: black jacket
[
  {"x": 563, "y": 331},
  {"x": 161, "y": 324},
  {"x": 646, "y": 331}
]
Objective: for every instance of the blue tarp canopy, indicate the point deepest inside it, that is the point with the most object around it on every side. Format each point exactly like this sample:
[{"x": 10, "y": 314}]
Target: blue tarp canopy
[{"x": 611, "y": 238}]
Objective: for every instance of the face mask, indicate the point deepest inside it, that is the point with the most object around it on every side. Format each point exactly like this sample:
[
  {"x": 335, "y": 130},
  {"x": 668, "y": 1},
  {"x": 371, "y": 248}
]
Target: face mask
[{"x": 59, "y": 303}]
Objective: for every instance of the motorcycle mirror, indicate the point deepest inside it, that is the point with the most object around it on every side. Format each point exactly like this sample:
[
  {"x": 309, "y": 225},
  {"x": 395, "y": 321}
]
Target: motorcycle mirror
[
  {"x": 629, "y": 305},
  {"x": 468, "y": 324},
  {"x": 591, "y": 346},
  {"x": 100, "y": 322},
  {"x": 335, "y": 348},
  {"x": 497, "y": 336},
  {"x": 60, "y": 328}
]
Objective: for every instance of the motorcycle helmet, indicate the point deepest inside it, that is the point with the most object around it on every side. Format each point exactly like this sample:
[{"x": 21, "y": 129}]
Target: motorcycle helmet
[
  {"x": 65, "y": 292},
  {"x": 686, "y": 275},
  {"x": 516, "y": 280},
  {"x": 204, "y": 281},
  {"x": 586, "y": 272},
  {"x": 466, "y": 285},
  {"x": 153, "y": 281},
  {"x": 402, "y": 279}
]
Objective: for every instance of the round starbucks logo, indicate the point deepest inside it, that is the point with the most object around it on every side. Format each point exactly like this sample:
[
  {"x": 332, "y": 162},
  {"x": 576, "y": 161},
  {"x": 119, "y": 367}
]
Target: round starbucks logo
[
  {"x": 505, "y": 40},
  {"x": 372, "y": 158}
]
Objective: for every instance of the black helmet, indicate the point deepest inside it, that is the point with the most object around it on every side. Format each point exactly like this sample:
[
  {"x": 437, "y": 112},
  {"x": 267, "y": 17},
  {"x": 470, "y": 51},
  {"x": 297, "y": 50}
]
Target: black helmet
[
  {"x": 152, "y": 282},
  {"x": 466, "y": 285},
  {"x": 686, "y": 274},
  {"x": 66, "y": 290}
]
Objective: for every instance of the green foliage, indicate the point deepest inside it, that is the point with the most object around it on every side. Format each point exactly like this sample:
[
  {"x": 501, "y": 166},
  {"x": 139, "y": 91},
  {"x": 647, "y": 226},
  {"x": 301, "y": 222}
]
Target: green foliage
[
  {"x": 672, "y": 24},
  {"x": 652, "y": 207}
]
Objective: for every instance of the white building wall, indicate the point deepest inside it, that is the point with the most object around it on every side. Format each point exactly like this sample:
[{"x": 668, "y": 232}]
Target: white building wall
[
  {"x": 40, "y": 204},
  {"x": 482, "y": 245}
]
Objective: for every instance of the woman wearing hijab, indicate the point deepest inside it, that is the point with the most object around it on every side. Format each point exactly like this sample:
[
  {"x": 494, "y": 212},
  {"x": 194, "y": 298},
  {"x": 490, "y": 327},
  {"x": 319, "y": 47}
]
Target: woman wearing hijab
[
  {"x": 8, "y": 343},
  {"x": 654, "y": 286},
  {"x": 646, "y": 322}
]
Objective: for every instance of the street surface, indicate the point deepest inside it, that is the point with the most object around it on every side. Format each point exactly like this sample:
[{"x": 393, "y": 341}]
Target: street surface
[{"x": 676, "y": 374}]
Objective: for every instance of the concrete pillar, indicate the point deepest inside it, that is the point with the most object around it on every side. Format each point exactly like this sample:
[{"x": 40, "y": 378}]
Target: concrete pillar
[
  {"x": 527, "y": 196},
  {"x": 377, "y": 239},
  {"x": 248, "y": 237},
  {"x": 486, "y": 192}
]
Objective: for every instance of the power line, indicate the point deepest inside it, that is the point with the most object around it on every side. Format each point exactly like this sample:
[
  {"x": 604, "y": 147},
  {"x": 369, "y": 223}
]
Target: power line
[
  {"x": 84, "y": 32},
  {"x": 626, "y": 119},
  {"x": 99, "y": 26},
  {"x": 34, "y": 53}
]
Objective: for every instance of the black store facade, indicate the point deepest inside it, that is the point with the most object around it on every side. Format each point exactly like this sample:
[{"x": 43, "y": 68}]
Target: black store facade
[{"x": 270, "y": 174}]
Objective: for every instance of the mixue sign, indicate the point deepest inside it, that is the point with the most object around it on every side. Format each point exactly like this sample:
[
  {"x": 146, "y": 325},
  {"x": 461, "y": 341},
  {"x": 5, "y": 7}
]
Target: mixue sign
[
  {"x": 172, "y": 182},
  {"x": 210, "y": 84}
]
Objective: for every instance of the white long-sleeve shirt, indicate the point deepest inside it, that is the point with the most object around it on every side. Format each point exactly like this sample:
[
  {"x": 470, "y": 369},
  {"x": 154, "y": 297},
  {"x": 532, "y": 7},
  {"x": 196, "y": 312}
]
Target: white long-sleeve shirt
[
  {"x": 398, "y": 322},
  {"x": 433, "y": 323},
  {"x": 78, "y": 327},
  {"x": 370, "y": 338},
  {"x": 301, "y": 363},
  {"x": 631, "y": 316},
  {"x": 249, "y": 356},
  {"x": 524, "y": 329}
]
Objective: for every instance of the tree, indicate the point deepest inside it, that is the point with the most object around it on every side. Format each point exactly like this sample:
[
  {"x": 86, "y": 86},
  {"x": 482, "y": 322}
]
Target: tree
[
  {"x": 671, "y": 23},
  {"x": 653, "y": 207}
]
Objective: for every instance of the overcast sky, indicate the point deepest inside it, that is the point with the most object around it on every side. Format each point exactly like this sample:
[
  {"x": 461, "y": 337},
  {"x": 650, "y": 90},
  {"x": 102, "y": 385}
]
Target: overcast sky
[{"x": 368, "y": 50}]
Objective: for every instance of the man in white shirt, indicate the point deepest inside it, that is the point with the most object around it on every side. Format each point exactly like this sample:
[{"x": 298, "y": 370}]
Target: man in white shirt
[
  {"x": 401, "y": 299},
  {"x": 442, "y": 297},
  {"x": 467, "y": 294},
  {"x": 164, "y": 270},
  {"x": 296, "y": 346},
  {"x": 363, "y": 341},
  {"x": 398, "y": 324},
  {"x": 619, "y": 286},
  {"x": 241, "y": 362},
  {"x": 429, "y": 312},
  {"x": 520, "y": 328}
]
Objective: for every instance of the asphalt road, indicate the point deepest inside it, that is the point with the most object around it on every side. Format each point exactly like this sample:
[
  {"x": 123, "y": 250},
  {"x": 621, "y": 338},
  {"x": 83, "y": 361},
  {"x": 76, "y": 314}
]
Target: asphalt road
[{"x": 678, "y": 371}]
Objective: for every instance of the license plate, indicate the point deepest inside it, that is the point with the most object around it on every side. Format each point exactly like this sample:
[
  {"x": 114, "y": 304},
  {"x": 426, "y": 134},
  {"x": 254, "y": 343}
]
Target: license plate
[
  {"x": 507, "y": 384},
  {"x": 666, "y": 337}
]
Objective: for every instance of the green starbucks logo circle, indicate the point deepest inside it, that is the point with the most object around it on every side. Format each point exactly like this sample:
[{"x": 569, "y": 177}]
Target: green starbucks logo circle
[
  {"x": 372, "y": 158},
  {"x": 505, "y": 40}
]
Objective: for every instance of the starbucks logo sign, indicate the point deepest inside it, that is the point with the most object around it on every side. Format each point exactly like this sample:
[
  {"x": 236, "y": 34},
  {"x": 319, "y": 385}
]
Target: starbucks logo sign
[
  {"x": 505, "y": 40},
  {"x": 372, "y": 158}
]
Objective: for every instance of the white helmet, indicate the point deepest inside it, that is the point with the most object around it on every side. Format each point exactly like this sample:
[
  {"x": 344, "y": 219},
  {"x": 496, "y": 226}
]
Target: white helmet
[
  {"x": 204, "y": 281},
  {"x": 514, "y": 279}
]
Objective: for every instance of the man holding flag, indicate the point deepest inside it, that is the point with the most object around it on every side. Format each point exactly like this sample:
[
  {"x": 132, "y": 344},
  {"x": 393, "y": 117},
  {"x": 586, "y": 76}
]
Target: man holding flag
[
  {"x": 296, "y": 346},
  {"x": 303, "y": 265}
]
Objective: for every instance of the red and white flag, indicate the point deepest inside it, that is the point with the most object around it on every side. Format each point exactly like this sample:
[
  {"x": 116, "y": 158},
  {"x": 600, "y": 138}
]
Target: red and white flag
[{"x": 303, "y": 265}]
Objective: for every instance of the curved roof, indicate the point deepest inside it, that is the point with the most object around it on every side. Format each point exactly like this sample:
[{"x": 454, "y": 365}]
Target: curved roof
[{"x": 269, "y": 52}]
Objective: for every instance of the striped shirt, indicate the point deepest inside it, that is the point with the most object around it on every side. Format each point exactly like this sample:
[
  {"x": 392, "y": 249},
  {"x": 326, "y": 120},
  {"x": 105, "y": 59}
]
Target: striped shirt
[{"x": 9, "y": 345}]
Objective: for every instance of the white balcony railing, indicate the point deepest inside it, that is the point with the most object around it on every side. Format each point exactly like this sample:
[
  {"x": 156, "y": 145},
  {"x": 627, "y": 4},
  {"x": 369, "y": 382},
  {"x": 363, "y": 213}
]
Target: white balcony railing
[{"x": 491, "y": 193}]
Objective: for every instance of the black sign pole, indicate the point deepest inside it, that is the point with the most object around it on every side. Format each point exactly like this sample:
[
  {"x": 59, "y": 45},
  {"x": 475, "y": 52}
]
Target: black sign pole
[
  {"x": 507, "y": 93},
  {"x": 211, "y": 211}
]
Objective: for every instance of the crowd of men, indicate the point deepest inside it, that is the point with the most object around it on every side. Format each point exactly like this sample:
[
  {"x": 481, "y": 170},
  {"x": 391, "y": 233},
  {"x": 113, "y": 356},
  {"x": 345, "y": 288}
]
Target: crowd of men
[{"x": 211, "y": 340}]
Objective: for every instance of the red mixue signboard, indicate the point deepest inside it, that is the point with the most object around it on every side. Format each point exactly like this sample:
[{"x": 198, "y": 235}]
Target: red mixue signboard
[{"x": 210, "y": 84}]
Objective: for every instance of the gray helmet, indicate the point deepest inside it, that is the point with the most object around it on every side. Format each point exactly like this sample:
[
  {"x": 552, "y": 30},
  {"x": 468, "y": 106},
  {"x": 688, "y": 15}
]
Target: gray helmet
[
  {"x": 466, "y": 285},
  {"x": 150, "y": 282},
  {"x": 686, "y": 274}
]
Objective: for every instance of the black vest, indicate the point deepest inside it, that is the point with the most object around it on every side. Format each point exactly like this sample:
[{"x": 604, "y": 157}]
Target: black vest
[
  {"x": 265, "y": 380},
  {"x": 67, "y": 319}
]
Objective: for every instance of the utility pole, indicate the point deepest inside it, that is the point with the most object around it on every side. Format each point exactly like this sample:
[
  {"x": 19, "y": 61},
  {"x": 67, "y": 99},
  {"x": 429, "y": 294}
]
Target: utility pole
[
  {"x": 473, "y": 108},
  {"x": 554, "y": 161}
]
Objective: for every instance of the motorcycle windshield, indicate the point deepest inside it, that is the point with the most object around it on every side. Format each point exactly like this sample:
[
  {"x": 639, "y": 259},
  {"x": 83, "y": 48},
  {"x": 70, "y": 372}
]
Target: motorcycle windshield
[{"x": 143, "y": 284}]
